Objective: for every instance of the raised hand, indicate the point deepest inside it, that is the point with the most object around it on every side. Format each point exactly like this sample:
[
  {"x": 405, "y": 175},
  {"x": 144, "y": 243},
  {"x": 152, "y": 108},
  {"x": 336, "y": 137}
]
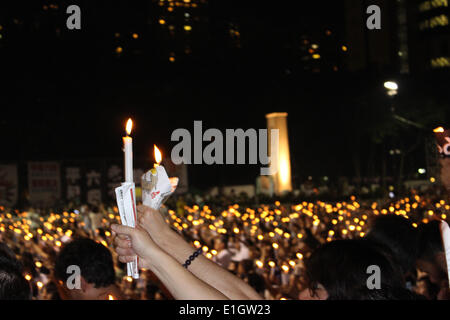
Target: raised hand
[{"x": 130, "y": 242}]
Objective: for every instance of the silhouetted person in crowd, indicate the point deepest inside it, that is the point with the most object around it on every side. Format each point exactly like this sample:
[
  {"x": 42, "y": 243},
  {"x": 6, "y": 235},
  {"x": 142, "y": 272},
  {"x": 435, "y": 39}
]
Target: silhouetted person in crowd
[
  {"x": 431, "y": 257},
  {"x": 339, "y": 271},
  {"x": 13, "y": 285},
  {"x": 223, "y": 257},
  {"x": 398, "y": 238},
  {"x": 97, "y": 278}
]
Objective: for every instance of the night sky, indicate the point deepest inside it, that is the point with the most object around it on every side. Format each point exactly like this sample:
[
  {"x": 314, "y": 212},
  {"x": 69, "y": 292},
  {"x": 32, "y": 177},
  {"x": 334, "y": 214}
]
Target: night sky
[{"x": 67, "y": 96}]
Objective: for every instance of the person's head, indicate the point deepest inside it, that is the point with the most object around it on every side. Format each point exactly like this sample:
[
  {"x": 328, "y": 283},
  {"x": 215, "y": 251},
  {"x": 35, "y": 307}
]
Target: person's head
[
  {"x": 96, "y": 268},
  {"x": 256, "y": 281},
  {"x": 431, "y": 255},
  {"x": 245, "y": 267},
  {"x": 220, "y": 243},
  {"x": 13, "y": 285},
  {"x": 8, "y": 256},
  {"x": 398, "y": 238},
  {"x": 340, "y": 269},
  {"x": 385, "y": 294}
]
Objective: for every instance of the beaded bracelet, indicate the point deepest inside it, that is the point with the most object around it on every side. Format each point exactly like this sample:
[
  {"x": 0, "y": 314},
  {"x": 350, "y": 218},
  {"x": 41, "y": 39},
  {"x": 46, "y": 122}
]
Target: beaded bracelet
[{"x": 192, "y": 258}]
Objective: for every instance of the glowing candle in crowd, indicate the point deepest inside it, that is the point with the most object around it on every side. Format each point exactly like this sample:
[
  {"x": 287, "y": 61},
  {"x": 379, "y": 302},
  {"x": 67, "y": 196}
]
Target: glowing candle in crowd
[
  {"x": 128, "y": 152},
  {"x": 158, "y": 156},
  {"x": 110, "y": 297}
]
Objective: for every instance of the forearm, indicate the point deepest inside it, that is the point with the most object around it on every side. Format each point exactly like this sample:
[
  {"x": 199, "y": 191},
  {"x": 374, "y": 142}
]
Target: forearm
[
  {"x": 222, "y": 280},
  {"x": 182, "y": 284}
]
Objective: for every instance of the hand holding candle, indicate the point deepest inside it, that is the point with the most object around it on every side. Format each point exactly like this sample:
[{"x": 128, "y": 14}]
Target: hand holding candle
[
  {"x": 126, "y": 196},
  {"x": 156, "y": 185}
]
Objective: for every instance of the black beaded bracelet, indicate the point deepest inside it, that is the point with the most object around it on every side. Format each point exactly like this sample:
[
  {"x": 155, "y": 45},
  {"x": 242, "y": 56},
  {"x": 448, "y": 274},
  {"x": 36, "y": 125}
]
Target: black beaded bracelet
[{"x": 192, "y": 258}]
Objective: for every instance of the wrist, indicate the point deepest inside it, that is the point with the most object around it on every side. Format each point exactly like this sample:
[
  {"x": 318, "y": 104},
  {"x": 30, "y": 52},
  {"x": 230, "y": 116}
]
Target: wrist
[
  {"x": 166, "y": 238},
  {"x": 153, "y": 257}
]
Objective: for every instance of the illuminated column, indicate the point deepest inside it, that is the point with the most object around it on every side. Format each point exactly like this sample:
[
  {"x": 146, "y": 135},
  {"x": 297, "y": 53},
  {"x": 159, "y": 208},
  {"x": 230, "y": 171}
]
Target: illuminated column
[{"x": 282, "y": 178}]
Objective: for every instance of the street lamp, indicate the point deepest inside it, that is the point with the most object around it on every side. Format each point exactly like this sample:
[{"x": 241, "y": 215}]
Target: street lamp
[
  {"x": 392, "y": 91},
  {"x": 392, "y": 88}
]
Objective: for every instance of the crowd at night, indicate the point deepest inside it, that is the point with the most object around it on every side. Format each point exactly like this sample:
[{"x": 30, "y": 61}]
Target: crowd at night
[
  {"x": 264, "y": 245},
  {"x": 225, "y": 150}
]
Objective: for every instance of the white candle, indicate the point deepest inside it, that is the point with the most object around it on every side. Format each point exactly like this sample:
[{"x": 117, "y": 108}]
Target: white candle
[{"x": 128, "y": 153}]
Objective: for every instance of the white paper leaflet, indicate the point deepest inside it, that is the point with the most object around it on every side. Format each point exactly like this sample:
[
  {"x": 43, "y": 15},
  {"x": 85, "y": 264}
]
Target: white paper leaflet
[
  {"x": 126, "y": 203},
  {"x": 157, "y": 187}
]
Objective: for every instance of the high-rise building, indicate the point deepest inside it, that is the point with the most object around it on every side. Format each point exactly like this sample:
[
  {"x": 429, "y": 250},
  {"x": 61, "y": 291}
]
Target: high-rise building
[
  {"x": 377, "y": 50},
  {"x": 414, "y": 36},
  {"x": 430, "y": 50},
  {"x": 180, "y": 24}
]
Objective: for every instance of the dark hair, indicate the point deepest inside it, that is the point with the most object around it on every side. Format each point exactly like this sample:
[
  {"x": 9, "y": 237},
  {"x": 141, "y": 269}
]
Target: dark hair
[
  {"x": 224, "y": 240},
  {"x": 247, "y": 264},
  {"x": 8, "y": 256},
  {"x": 385, "y": 294},
  {"x": 13, "y": 285},
  {"x": 95, "y": 262},
  {"x": 256, "y": 281},
  {"x": 398, "y": 238},
  {"x": 341, "y": 267},
  {"x": 430, "y": 240}
]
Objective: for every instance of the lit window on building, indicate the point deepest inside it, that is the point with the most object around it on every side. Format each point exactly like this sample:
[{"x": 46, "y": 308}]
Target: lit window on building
[
  {"x": 441, "y": 62},
  {"x": 438, "y": 21},
  {"x": 432, "y": 4}
]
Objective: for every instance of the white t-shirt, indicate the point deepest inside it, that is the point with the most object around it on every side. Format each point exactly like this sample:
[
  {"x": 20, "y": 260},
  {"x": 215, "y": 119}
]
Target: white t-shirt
[
  {"x": 242, "y": 254},
  {"x": 223, "y": 258}
]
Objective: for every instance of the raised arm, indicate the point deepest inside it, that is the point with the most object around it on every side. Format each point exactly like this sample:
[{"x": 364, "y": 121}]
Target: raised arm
[
  {"x": 182, "y": 284},
  {"x": 174, "y": 245}
]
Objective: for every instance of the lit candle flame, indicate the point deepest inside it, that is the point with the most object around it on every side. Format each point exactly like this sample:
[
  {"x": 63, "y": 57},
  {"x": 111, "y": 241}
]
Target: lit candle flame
[
  {"x": 110, "y": 297},
  {"x": 129, "y": 126},
  {"x": 439, "y": 130},
  {"x": 157, "y": 154}
]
